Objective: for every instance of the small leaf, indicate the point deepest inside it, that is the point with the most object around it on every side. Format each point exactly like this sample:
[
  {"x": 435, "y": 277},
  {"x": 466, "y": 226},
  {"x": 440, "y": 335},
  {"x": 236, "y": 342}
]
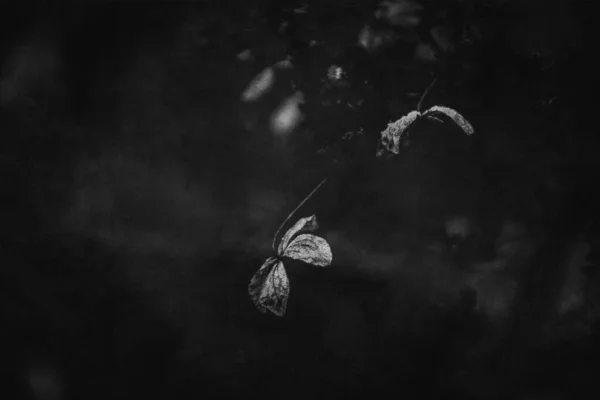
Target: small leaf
[
  {"x": 260, "y": 85},
  {"x": 287, "y": 116},
  {"x": 425, "y": 52},
  {"x": 390, "y": 137},
  {"x": 454, "y": 115},
  {"x": 307, "y": 224},
  {"x": 302, "y": 9},
  {"x": 310, "y": 249},
  {"x": 335, "y": 73},
  {"x": 245, "y": 55},
  {"x": 257, "y": 281},
  {"x": 442, "y": 35},
  {"x": 270, "y": 287},
  {"x": 284, "y": 64},
  {"x": 403, "y": 13}
]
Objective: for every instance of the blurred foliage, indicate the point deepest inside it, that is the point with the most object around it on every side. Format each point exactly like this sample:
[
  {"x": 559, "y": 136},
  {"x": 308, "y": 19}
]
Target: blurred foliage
[{"x": 126, "y": 131}]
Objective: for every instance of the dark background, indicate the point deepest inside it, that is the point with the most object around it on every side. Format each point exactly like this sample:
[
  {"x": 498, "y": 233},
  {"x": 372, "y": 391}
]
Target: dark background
[{"x": 141, "y": 194}]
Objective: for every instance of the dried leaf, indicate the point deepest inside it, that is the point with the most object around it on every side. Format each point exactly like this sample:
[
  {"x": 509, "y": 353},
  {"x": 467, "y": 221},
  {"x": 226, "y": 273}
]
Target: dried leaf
[
  {"x": 257, "y": 281},
  {"x": 260, "y": 85},
  {"x": 454, "y": 115},
  {"x": 390, "y": 137},
  {"x": 269, "y": 288},
  {"x": 310, "y": 249},
  {"x": 307, "y": 224}
]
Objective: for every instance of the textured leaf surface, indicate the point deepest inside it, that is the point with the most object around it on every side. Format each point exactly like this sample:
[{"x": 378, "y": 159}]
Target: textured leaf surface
[
  {"x": 257, "y": 281},
  {"x": 306, "y": 224},
  {"x": 390, "y": 137},
  {"x": 310, "y": 249},
  {"x": 270, "y": 287},
  {"x": 454, "y": 116}
]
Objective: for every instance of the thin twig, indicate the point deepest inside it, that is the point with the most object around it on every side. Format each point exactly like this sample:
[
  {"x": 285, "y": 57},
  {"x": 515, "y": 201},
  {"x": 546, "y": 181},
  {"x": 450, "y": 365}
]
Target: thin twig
[
  {"x": 427, "y": 90},
  {"x": 296, "y": 209}
]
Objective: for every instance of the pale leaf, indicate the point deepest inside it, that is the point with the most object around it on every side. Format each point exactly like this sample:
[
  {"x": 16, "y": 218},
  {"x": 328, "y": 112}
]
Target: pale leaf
[
  {"x": 287, "y": 116},
  {"x": 306, "y": 224},
  {"x": 301, "y": 10},
  {"x": 245, "y": 55},
  {"x": 390, "y": 137},
  {"x": 454, "y": 115},
  {"x": 260, "y": 85},
  {"x": 274, "y": 290},
  {"x": 403, "y": 13},
  {"x": 284, "y": 64},
  {"x": 425, "y": 52},
  {"x": 310, "y": 249},
  {"x": 258, "y": 280}
]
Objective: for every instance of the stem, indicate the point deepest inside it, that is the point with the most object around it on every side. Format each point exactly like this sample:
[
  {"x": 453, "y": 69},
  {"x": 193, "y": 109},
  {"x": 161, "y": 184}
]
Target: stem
[
  {"x": 427, "y": 90},
  {"x": 296, "y": 209}
]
